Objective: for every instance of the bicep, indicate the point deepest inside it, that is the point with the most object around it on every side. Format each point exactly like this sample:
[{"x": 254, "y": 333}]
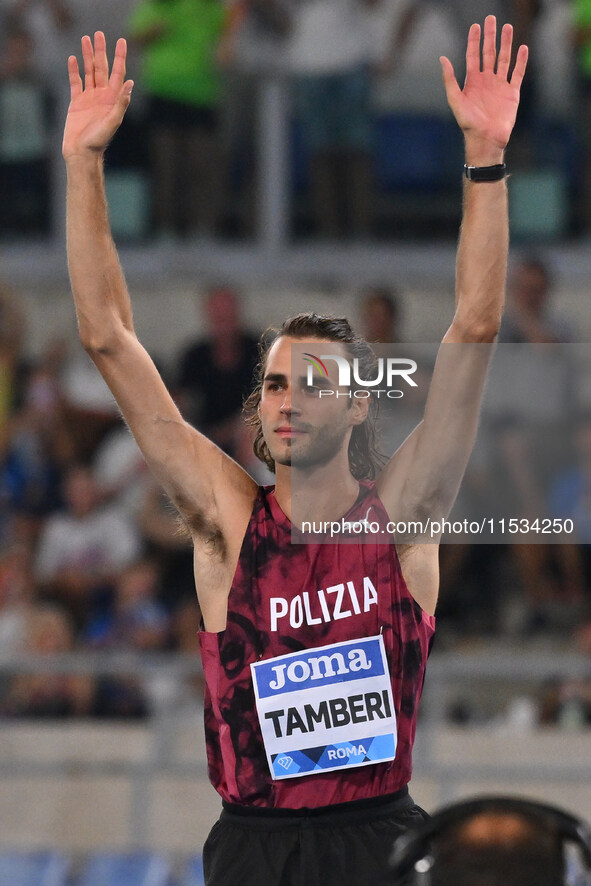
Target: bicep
[
  {"x": 191, "y": 469},
  {"x": 423, "y": 477}
]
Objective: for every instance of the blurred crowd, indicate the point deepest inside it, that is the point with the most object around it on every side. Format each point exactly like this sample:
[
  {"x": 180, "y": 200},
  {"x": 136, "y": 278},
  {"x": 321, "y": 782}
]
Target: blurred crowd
[
  {"x": 362, "y": 91},
  {"x": 93, "y": 557}
]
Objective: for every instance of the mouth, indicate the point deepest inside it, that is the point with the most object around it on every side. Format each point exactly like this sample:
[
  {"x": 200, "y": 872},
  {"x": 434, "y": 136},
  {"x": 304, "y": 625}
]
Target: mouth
[{"x": 289, "y": 432}]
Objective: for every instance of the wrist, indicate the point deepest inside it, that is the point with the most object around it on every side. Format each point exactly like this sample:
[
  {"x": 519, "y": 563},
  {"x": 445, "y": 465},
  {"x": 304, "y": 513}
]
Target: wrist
[
  {"x": 479, "y": 152},
  {"x": 86, "y": 159},
  {"x": 494, "y": 173}
]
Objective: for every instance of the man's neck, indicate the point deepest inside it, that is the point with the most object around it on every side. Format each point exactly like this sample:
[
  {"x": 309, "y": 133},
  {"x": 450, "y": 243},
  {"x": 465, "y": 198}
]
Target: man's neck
[{"x": 316, "y": 494}]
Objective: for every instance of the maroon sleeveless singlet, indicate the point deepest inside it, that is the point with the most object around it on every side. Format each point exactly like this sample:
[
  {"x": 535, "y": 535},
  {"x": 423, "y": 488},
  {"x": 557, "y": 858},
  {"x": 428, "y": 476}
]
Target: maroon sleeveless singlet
[{"x": 287, "y": 597}]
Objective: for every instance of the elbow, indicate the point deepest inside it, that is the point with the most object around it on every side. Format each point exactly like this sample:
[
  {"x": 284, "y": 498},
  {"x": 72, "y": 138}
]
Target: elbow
[
  {"x": 99, "y": 344},
  {"x": 478, "y": 330}
]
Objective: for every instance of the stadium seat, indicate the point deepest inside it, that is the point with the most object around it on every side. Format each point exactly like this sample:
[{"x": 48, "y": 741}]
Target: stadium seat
[
  {"x": 193, "y": 873},
  {"x": 33, "y": 869},
  {"x": 126, "y": 869}
]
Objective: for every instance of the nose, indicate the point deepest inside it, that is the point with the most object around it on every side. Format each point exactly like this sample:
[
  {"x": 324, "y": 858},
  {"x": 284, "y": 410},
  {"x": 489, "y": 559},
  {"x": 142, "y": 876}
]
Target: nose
[{"x": 290, "y": 404}]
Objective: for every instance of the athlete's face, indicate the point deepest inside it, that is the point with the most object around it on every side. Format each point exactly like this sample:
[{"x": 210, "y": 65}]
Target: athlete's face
[{"x": 302, "y": 428}]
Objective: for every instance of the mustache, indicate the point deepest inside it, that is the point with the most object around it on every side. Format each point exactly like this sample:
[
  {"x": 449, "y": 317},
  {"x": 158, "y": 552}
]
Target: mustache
[{"x": 295, "y": 427}]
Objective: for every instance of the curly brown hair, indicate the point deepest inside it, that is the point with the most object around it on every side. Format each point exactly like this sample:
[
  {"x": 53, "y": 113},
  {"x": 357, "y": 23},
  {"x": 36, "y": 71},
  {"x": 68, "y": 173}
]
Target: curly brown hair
[{"x": 364, "y": 457}]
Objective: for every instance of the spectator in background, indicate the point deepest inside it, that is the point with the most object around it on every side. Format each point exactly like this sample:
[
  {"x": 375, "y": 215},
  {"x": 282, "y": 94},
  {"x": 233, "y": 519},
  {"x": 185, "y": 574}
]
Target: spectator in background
[
  {"x": 120, "y": 471},
  {"x": 49, "y": 24},
  {"x": 252, "y": 49},
  {"x": 24, "y": 137},
  {"x": 570, "y": 499},
  {"x": 391, "y": 27},
  {"x": 17, "y": 594},
  {"x": 35, "y": 444},
  {"x": 530, "y": 403},
  {"x": 567, "y": 702},
  {"x": 35, "y": 449},
  {"x": 380, "y": 315},
  {"x": 180, "y": 40},
  {"x": 59, "y": 11},
  {"x": 49, "y": 632},
  {"x": 582, "y": 40},
  {"x": 329, "y": 58},
  {"x": 529, "y": 316},
  {"x": 83, "y": 548},
  {"x": 215, "y": 374},
  {"x": 12, "y": 331},
  {"x": 498, "y": 846},
  {"x": 136, "y": 620}
]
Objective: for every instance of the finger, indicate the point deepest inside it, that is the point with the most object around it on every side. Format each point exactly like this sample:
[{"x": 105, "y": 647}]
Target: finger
[
  {"x": 520, "y": 66},
  {"x": 504, "y": 59},
  {"x": 118, "y": 69},
  {"x": 101, "y": 65},
  {"x": 452, "y": 89},
  {"x": 74, "y": 75},
  {"x": 88, "y": 56},
  {"x": 473, "y": 50},
  {"x": 489, "y": 44},
  {"x": 122, "y": 103}
]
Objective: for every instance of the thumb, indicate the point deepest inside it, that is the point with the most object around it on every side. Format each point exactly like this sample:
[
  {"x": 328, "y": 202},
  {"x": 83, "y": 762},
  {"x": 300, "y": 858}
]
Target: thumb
[
  {"x": 452, "y": 90},
  {"x": 117, "y": 112},
  {"x": 124, "y": 97}
]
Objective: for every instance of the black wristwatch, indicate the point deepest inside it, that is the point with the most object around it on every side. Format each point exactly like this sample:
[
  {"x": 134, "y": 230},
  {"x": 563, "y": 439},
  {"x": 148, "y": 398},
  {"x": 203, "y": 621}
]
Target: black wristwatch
[{"x": 485, "y": 173}]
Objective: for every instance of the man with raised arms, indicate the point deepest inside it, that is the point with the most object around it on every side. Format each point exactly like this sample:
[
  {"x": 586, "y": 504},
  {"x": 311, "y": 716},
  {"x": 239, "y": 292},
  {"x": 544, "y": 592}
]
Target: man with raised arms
[{"x": 314, "y": 654}]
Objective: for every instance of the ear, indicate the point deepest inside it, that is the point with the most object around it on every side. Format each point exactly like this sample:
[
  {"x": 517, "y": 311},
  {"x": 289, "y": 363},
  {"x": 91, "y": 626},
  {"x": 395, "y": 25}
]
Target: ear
[{"x": 359, "y": 410}]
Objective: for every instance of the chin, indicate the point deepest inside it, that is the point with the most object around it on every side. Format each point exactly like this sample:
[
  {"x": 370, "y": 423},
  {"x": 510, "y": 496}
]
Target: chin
[{"x": 285, "y": 460}]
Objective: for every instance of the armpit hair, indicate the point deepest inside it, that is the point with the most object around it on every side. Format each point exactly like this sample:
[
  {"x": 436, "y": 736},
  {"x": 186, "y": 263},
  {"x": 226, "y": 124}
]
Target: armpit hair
[{"x": 210, "y": 534}]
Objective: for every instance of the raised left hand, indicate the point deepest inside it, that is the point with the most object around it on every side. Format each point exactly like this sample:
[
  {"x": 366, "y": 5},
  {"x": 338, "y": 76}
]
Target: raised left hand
[{"x": 486, "y": 107}]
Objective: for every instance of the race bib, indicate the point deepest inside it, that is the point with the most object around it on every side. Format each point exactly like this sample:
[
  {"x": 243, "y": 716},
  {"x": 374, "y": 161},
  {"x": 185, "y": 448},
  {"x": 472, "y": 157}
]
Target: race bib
[{"x": 326, "y": 708}]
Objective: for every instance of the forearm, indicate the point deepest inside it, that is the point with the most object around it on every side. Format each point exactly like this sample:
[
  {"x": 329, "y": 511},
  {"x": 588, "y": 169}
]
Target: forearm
[
  {"x": 100, "y": 294},
  {"x": 481, "y": 267}
]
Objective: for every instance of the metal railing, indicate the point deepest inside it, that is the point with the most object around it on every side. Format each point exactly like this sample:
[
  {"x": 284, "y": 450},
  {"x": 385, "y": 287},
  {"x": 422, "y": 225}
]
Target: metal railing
[{"x": 164, "y": 679}]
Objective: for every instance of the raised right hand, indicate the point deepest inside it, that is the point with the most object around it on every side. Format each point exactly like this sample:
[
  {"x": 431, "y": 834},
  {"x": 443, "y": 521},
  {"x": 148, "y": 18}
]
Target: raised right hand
[{"x": 97, "y": 108}]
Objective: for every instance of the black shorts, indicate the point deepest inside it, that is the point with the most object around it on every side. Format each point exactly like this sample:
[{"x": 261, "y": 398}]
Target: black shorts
[{"x": 345, "y": 845}]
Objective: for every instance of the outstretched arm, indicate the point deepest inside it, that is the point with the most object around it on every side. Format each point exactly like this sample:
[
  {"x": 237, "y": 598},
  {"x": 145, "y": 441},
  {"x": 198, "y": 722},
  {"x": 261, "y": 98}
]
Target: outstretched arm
[
  {"x": 485, "y": 110},
  {"x": 422, "y": 479},
  {"x": 95, "y": 113},
  {"x": 213, "y": 493}
]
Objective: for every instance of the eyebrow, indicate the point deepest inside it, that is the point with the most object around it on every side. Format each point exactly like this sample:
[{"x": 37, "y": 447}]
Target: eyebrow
[
  {"x": 275, "y": 376},
  {"x": 280, "y": 378}
]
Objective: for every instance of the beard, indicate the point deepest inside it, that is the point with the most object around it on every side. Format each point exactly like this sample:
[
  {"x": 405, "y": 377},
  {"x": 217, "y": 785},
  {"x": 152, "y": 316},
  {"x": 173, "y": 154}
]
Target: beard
[{"x": 316, "y": 449}]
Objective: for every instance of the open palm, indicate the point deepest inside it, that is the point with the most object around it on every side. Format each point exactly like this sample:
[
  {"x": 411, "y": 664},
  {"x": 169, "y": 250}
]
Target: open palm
[
  {"x": 97, "y": 108},
  {"x": 487, "y": 105}
]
